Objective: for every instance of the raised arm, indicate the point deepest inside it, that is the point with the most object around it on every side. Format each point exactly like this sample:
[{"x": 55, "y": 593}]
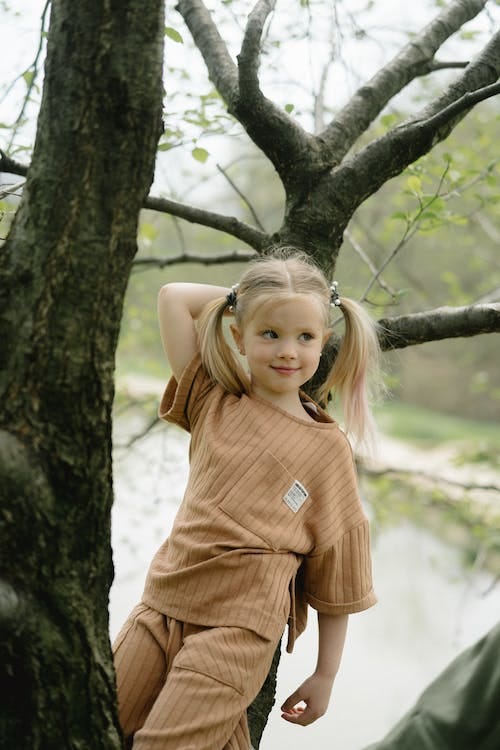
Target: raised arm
[
  {"x": 316, "y": 690},
  {"x": 179, "y": 305}
]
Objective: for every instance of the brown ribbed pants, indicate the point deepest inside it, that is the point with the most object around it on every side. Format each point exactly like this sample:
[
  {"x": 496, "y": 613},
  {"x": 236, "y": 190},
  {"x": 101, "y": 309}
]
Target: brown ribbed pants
[{"x": 187, "y": 687}]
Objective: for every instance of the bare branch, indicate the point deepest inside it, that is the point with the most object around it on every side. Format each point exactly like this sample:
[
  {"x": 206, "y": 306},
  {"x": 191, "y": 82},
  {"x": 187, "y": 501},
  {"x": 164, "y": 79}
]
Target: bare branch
[
  {"x": 239, "y": 256},
  {"x": 419, "y": 474},
  {"x": 482, "y": 71},
  {"x": 242, "y": 196},
  {"x": 436, "y": 65},
  {"x": 387, "y": 156},
  {"x": 229, "y": 224},
  {"x": 438, "y": 324},
  {"x": 10, "y": 189},
  {"x": 249, "y": 57},
  {"x": 10, "y": 166},
  {"x": 33, "y": 69},
  {"x": 410, "y": 231},
  {"x": 459, "y": 107},
  {"x": 368, "y": 262},
  {"x": 221, "y": 68},
  {"x": 416, "y": 59},
  {"x": 284, "y": 142}
]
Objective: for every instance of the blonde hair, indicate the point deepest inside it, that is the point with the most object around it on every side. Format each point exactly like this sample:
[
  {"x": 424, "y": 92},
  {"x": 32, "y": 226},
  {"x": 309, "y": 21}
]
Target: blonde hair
[{"x": 282, "y": 273}]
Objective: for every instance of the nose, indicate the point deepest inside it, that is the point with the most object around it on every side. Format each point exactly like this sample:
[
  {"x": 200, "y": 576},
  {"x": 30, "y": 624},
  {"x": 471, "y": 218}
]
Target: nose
[{"x": 287, "y": 349}]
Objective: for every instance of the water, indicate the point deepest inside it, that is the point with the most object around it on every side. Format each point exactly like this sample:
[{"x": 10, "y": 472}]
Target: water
[{"x": 430, "y": 607}]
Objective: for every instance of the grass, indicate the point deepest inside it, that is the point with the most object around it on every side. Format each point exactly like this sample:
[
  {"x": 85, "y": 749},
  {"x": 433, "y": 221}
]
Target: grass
[{"x": 428, "y": 428}]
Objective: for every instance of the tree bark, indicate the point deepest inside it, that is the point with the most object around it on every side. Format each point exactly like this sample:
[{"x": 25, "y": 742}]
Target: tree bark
[{"x": 63, "y": 275}]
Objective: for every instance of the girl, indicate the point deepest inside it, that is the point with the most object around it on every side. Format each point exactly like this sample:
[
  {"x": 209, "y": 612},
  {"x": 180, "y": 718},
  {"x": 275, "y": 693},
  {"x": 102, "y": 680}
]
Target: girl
[{"x": 271, "y": 520}]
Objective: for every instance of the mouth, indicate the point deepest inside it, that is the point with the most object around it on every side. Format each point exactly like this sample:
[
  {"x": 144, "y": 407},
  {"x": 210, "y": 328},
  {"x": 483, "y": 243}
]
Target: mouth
[{"x": 285, "y": 370}]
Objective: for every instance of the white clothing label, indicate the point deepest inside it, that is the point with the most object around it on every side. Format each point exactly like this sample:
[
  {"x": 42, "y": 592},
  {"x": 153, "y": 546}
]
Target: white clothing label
[{"x": 296, "y": 496}]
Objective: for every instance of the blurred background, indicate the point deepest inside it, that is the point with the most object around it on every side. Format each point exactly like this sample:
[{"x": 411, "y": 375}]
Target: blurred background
[{"x": 432, "y": 492}]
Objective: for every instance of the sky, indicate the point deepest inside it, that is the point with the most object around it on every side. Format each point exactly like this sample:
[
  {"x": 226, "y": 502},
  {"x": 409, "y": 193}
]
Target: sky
[{"x": 296, "y": 70}]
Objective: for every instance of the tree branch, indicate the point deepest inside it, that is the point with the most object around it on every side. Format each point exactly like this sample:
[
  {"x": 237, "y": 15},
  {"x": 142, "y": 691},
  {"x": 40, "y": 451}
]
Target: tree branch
[
  {"x": 458, "y": 107},
  {"x": 419, "y": 474},
  {"x": 249, "y": 57},
  {"x": 442, "y": 65},
  {"x": 482, "y": 71},
  {"x": 387, "y": 156},
  {"x": 33, "y": 68},
  {"x": 243, "y": 197},
  {"x": 10, "y": 189},
  {"x": 416, "y": 59},
  {"x": 221, "y": 68},
  {"x": 239, "y": 256},
  {"x": 228, "y": 224},
  {"x": 438, "y": 324},
  {"x": 11, "y": 166},
  {"x": 283, "y": 141}
]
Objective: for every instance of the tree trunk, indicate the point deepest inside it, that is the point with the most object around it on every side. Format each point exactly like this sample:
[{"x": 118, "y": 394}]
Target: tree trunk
[{"x": 63, "y": 275}]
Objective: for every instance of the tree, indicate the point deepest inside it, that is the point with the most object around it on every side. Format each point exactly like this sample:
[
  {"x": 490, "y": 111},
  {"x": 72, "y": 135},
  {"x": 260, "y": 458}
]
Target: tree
[
  {"x": 64, "y": 272},
  {"x": 94, "y": 163}
]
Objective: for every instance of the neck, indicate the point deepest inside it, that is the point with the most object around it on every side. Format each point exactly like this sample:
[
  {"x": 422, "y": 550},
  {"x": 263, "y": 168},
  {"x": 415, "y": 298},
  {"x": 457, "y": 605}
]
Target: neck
[{"x": 290, "y": 403}]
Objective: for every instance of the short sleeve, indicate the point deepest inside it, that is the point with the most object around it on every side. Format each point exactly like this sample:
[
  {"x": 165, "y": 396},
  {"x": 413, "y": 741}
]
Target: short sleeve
[
  {"x": 339, "y": 580},
  {"x": 182, "y": 401}
]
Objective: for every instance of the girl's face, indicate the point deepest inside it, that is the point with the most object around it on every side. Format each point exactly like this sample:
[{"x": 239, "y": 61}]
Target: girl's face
[{"x": 282, "y": 343}]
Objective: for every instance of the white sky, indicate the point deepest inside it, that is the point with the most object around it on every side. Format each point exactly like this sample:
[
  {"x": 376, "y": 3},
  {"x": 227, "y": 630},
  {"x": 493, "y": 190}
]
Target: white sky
[{"x": 19, "y": 35}]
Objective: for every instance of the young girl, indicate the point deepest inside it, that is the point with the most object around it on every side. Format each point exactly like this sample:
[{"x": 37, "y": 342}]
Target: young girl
[{"x": 271, "y": 520}]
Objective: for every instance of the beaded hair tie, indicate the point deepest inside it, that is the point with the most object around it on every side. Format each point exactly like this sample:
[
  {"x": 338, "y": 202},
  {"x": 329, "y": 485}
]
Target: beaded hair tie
[
  {"x": 334, "y": 295},
  {"x": 231, "y": 297}
]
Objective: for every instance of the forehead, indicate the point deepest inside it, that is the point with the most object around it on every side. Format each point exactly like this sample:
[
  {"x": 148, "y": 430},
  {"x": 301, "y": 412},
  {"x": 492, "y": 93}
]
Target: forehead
[{"x": 296, "y": 312}]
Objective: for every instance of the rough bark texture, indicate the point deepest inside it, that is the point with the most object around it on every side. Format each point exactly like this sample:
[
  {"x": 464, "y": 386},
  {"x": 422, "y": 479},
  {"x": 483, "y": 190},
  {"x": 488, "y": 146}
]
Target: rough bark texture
[
  {"x": 63, "y": 274},
  {"x": 324, "y": 183}
]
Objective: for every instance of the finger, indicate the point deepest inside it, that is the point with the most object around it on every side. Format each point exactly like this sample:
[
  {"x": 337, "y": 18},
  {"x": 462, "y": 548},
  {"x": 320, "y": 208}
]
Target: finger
[
  {"x": 297, "y": 710},
  {"x": 292, "y": 700},
  {"x": 303, "y": 717}
]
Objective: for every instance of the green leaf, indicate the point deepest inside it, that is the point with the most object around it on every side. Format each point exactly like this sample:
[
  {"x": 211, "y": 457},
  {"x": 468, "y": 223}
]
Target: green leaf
[
  {"x": 28, "y": 76},
  {"x": 174, "y": 35},
  {"x": 200, "y": 154},
  {"x": 289, "y": 108},
  {"x": 389, "y": 120},
  {"x": 414, "y": 184}
]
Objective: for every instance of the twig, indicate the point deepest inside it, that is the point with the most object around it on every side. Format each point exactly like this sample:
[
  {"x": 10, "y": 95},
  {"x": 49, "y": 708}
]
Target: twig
[
  {"x": 416, "y": 473},
  {"x": 408, "y": 234},
  {"x": 34, "y": 69},
  {"x": 367, "y": 260},
  {"x": 239, "y": 256},
  {"x": 10, "y": 190},
  {"x": 242, "y": 196}
]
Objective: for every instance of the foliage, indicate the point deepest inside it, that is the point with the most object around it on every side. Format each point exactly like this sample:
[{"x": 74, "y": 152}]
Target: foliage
[{"x": 463, "y": 523}]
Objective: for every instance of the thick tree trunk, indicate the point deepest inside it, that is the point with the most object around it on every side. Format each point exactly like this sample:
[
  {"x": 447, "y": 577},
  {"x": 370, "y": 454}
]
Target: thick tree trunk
[{"x": 63, "y": 275}]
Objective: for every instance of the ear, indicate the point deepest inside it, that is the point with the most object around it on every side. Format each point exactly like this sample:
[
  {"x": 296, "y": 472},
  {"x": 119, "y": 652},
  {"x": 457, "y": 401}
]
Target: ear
[
  {"x": 238, "y": 337},
  {"x": 326, "y": 336}
]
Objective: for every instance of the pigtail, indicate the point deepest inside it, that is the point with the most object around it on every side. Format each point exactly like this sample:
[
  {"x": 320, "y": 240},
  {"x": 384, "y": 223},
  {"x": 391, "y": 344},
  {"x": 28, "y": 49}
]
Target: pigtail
[
  {"x": 358, "y": 356},
  {"x": 216, "y": 354}
]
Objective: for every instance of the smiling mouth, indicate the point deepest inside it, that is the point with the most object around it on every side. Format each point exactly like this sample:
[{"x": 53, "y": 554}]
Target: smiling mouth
[{"x": 286, "y": 370}]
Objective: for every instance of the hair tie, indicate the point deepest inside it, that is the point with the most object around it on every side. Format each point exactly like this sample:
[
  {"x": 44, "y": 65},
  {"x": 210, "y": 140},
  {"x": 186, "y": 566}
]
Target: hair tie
[
  {"x": 231, "y": 297},
  {"x": 334, "y": 295}
]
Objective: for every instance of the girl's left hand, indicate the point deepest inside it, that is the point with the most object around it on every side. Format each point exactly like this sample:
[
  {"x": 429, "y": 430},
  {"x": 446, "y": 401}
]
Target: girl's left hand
[{"x": 315, "y": 693}]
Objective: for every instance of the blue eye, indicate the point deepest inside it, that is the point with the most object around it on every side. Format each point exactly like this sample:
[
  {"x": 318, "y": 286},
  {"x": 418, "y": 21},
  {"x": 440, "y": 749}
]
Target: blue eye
[
  {"x": 269, "y": 334},
  {"x": 306, "y": 337}
]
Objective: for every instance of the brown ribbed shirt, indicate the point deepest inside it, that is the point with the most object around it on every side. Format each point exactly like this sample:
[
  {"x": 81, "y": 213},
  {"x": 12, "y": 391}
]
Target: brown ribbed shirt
[{"x": 271, "y": 519}]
